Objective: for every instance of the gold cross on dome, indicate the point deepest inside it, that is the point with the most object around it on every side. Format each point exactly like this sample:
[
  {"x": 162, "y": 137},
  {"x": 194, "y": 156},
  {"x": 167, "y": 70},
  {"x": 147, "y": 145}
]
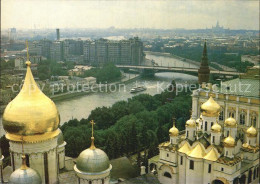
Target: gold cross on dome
[{"x": 92, "y": 123}]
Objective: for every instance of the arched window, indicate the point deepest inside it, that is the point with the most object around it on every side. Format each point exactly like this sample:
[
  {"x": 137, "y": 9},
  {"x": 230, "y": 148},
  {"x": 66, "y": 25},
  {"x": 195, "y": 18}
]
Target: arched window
[
  {"x": 231, "y": 114},
  {"x": 187, "y": 133},
  {"x": 253, "y": 121},
  {"x": 227, "y": 133},
  {"x": 221, "y": 115},
  {"x": 168, "y": 175},
  {"x": 211, "y": 124},
  {"x": 206, "y": 126},
  {"x": 213, "y": 139},
  {"x": 242, "y": 118}
]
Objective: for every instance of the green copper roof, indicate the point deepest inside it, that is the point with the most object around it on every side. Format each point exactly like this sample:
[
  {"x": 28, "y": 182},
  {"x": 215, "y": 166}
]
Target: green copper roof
[{"x": 240, "y": 87}]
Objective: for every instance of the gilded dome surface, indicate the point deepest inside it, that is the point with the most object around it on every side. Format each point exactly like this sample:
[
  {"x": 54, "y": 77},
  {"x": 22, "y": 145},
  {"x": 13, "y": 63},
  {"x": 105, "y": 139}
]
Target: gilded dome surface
[
  {"x": 92, "y": 161},
  {"x": 210, "y": 108},
  {"x": 174, "y": 131},
  {"x": 251, "y": 132},
  {"x": 25, "y": 176},
  {"x": 216, "y": 128},
  {"x": 197, "y": 152},
  {"x": 191, "y": 123},
  {"x": 229, "y": 141},
  {"x": 31, "y": 114},
  {"x": 230, "y": 122}
]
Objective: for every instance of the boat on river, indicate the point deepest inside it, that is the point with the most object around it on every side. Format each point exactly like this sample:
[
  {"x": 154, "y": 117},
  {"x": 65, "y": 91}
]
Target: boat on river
[{"x": 138, "y": 89}]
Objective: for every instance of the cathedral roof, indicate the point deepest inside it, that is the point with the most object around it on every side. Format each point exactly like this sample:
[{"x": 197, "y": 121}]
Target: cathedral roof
[
  {"x": 198, "y": 151},
  {"x": 212, "y": 155},
  {"x": 185, "y": 147}
]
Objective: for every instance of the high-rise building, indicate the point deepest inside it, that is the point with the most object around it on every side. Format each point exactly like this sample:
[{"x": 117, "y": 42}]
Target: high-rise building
[
  {"x": 113, "y": 51},
  {"x": 58, "y": 34},
  {"x": 119, "y": 52},
  {"x": 56, "y": 51}
]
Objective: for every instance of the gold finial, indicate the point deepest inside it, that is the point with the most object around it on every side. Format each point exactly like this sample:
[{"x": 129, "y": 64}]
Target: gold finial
[
  {"x": 23, "y": 166},
  {"x": 28, "y": 63},
  {"x": 174, "y": 121},
  {"x": 191, "y": 111},
  {"x": 92, "y": 137}
]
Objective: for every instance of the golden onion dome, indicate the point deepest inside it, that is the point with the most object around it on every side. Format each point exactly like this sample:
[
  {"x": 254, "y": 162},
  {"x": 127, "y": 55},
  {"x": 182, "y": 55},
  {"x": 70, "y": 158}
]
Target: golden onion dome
[
  {"x": 230, "y": 122},
  {"x": 191, "y": 123},
  {"x": 251, "y": 132},
  {"x": 210, "y": 108},
  {"x": 229, "y": 141},
  {"x": 216, "y": 128},
  {"x": 174, "y": 131},
  {"x": 31, "y": 114},
  {"x": 25, "y": 175}
]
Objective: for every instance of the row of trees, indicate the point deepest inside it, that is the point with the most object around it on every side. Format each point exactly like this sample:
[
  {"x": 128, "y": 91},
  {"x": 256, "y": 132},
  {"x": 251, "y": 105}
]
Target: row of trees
[
  {"x": 128, "y": 127},
  {"x": 106, "y": 73},
  {"x": 48, "y": 68}
]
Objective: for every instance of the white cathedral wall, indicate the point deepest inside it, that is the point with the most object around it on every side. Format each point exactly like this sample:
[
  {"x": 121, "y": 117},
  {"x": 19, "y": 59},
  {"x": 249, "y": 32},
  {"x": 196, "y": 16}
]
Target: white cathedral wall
[
  {"x": 36, "y": 157},
  {"x": 163, "y": 179},
  {"x": 207, "y": 177},
  {"x": 182, "y": 168},
  {"x": 61, "y": 155},
  {"x": 196, "y": 175}
]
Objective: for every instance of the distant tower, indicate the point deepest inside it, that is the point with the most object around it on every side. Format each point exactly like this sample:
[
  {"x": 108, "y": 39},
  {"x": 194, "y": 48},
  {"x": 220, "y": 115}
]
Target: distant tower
[
  {"x": 203, "y": 72},
  {"x": 58, "y": 34}
]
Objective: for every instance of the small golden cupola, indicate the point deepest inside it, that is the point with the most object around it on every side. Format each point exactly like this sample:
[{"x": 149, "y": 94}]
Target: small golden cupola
[
  {"x": 174, "y": 131},
  {"x": 210, "y": 108},
  {"x": 31, "y": 113},
  {"x": 251, "y": 132},
  {"x": 216, "y": 128},
  {"x": 229, "y": 142},
  {"x": 230, "y": 122},
  {"x": 191, "y": 123}
]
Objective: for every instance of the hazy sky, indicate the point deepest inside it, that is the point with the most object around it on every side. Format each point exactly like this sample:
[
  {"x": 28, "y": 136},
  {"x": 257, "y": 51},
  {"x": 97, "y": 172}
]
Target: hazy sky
[{"x": 164, "y": 14}]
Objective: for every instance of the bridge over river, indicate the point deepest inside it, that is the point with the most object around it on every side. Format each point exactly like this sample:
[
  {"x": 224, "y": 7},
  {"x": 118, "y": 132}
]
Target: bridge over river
[{"x": 192, "y": 71}]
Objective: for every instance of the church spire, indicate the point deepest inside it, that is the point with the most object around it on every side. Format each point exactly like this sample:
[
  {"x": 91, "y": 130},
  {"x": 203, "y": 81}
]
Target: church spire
[{"x": 203, "y": 72}]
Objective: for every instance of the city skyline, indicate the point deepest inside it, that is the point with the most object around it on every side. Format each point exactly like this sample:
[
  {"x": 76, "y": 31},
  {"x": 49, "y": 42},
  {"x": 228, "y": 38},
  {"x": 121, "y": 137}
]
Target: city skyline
[{"x": 193, "y": 14}]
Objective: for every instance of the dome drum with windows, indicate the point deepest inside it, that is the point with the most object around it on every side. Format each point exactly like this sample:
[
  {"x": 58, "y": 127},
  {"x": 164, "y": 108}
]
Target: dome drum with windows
[{"x": 31, "y": 114}]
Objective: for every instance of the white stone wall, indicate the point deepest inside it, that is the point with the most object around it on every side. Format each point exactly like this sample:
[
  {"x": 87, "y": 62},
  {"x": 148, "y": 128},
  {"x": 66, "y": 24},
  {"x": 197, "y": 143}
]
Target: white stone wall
[
  {"x": 182, "y": 168},
  {"x": 36, "y": 157},
  {"x": 195, "y": 175},
  {"x": 61, "y": 155},
  {"x": 95, "y": 178}
]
